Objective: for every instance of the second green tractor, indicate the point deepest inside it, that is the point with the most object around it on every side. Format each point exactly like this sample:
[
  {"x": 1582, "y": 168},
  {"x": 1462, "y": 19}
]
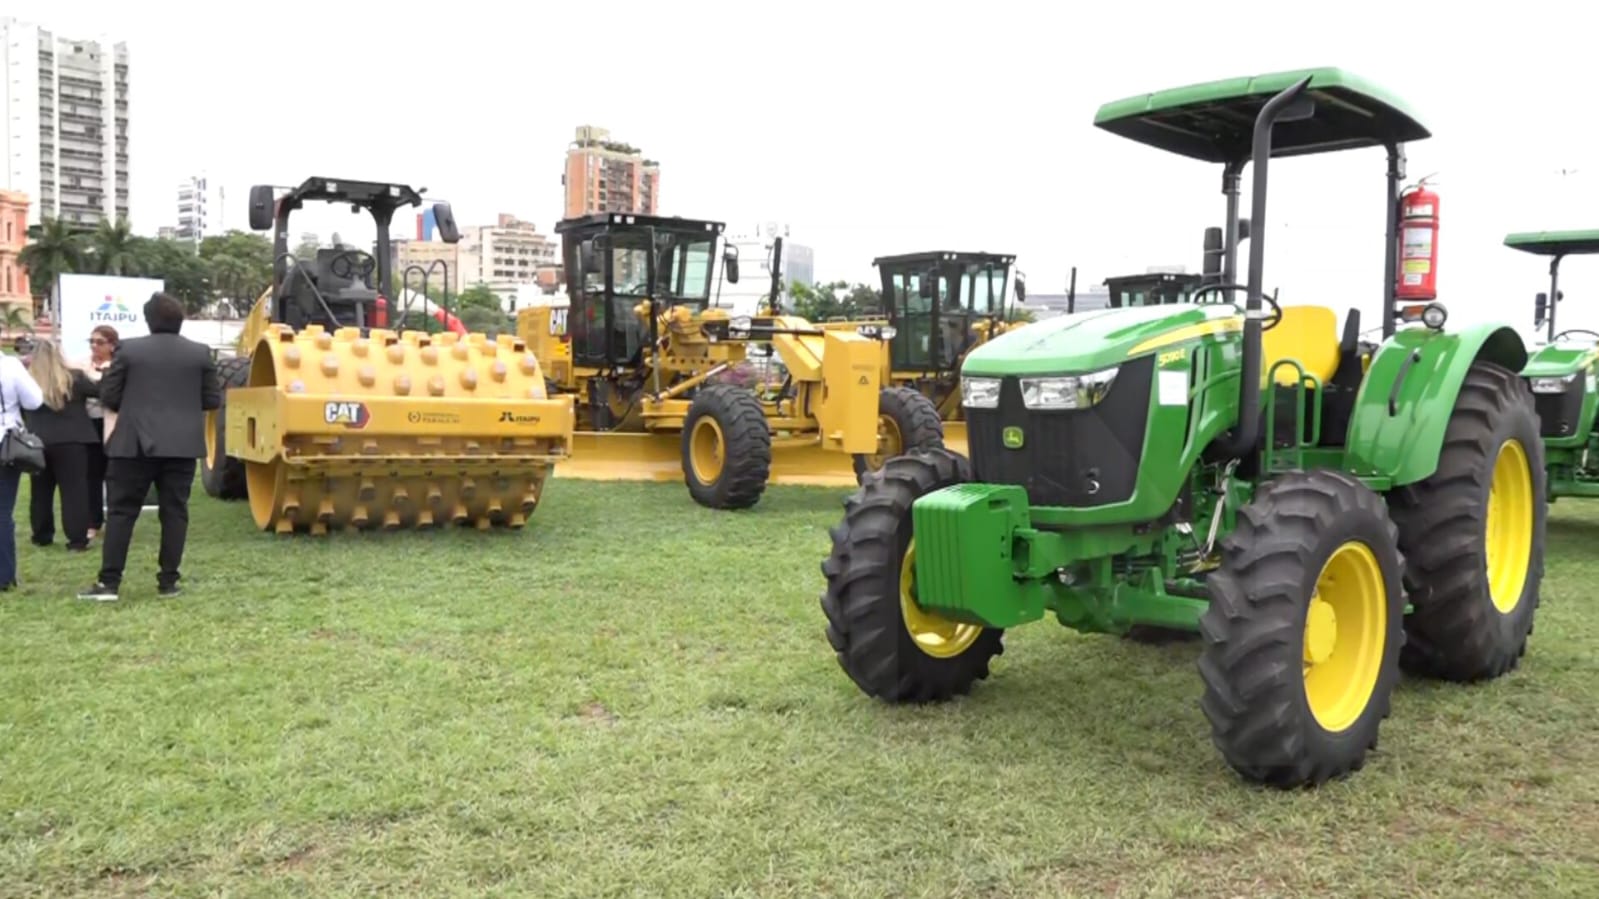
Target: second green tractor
[{"x": 1323, "y": 513}]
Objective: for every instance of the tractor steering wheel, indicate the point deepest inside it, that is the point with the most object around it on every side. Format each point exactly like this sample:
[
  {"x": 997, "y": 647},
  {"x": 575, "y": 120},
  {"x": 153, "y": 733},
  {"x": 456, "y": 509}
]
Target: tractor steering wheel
[
  {"x": 1593, "y": 334},
  {"x": 1266, "y": 324},
  {"x": 353, "y": 261}
]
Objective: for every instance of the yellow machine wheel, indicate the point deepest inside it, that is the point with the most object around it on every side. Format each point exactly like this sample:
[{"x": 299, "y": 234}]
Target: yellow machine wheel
[
  {"x": 907, "y": 421},
  {"x": 888, "y": 645},
  {"x": 1310, "y": 581},
  {"x": 727, "y": 448},
  {"x": 1473, "y": 534}
]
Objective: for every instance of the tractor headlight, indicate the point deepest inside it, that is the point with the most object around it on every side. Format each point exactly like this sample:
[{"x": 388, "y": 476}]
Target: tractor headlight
[
  {"x": 1552, "y": 385},
  {"x": 1067, "y": 391},
  {"x": 980, "y": 393}
]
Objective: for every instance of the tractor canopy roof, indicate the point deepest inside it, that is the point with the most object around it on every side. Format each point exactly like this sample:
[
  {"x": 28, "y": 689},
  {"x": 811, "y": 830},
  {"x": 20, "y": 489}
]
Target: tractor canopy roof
[
  {"x": 1554, "y": 243},
  {"x": 1215, "y": 121},
  {"x": 599, "y": 221},
  {"x": 363, "y": 194},
  {"x": 931, "y": 256}
]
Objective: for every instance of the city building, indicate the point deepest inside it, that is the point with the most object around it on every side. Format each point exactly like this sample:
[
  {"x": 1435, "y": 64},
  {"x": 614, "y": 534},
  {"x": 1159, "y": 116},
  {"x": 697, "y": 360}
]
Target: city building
[
  {"x": 754, "y": 247},
  {"x": 65, "y": 124},
  {"x": 194, "y": 210},
  {"x": 425, "y": 253},
  {"x": 504, "y": 256},
  {"x": 604, "y": 175},
  {"x": 13, "y": 236}
]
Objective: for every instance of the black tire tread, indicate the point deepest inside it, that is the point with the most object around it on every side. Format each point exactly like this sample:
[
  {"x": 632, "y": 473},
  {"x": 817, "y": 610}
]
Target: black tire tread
[
  {"x": 1454, "y": 632},
  {"x": 226, "y": 480},
  {"x": 747, "y": 444},
  {"x": 861, "y": 601},
  {"x": 1253, "y": 631}
]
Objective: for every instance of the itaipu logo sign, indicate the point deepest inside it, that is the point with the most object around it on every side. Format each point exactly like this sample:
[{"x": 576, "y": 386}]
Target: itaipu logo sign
[{"x": 113, "y": 312}]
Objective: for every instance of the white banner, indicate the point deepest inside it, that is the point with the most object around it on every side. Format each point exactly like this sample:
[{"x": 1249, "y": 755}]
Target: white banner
[{"x": 85, "y": 302}]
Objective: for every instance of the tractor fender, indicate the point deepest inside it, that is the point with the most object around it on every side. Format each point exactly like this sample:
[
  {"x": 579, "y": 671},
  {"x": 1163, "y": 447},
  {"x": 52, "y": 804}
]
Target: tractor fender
[{"x": 1409, "y": 393}]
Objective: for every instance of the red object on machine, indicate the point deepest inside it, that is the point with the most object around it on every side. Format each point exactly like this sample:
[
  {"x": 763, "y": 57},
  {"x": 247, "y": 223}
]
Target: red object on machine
[
  {"x": 1418, "y": 245},
  {"x": 448, "y": 321},
  {"x": 380, "y": 315}
]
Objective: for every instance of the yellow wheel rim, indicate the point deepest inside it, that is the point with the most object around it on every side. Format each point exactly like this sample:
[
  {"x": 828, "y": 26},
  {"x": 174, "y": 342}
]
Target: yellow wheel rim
[
  {"x": 211, "y": 460},
  {"x": 1345, "y": 629},
  {"x": 1508, "y": 531},
  {"x": 889, "y": 441},
  {"x": 935, "y": 635},
  {"x": 705, "y": 451}
]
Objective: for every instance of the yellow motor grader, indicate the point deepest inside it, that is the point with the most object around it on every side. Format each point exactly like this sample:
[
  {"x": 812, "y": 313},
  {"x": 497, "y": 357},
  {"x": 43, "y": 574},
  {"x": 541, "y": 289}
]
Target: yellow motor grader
[
  {"x": 331, "y": 419},
  {"x": 937, "y": 307},
  {"x": 668, "y": 384}
]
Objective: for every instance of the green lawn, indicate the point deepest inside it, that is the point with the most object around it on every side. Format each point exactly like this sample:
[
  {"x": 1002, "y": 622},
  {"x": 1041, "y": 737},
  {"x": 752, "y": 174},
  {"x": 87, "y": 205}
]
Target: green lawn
[{"x": 634, "y": 696}]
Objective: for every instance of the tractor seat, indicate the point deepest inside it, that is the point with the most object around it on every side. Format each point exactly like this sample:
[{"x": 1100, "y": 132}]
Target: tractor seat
[{"x": 1307, "y": 335}]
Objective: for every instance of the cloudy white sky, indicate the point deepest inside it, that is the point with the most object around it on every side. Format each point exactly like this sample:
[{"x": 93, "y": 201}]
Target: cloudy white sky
[{"x": 882, "y": 127}]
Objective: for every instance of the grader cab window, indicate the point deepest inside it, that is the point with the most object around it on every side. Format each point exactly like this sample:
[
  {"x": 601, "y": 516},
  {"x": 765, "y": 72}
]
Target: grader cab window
[{"x": 913, "y": 314}]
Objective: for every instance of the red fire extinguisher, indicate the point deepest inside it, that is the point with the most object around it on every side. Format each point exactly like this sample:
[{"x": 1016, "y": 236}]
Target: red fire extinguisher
[
  {"x": 380, "y": 314},
  {"x": 1418, "y": 244}
]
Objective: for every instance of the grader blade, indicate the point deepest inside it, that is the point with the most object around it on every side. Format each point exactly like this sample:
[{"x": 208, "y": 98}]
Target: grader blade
[
  {"x": 339, "y": 431},
  {"x": 609, "y": 456}
]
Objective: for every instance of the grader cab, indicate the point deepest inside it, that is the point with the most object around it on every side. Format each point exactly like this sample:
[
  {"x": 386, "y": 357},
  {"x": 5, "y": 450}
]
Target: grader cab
[
  {"x": 332, "y": 421},
  {"x": 663, "y": 377}
]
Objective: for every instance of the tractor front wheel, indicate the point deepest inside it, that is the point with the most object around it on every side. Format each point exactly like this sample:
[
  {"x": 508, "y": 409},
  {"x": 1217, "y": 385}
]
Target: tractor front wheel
[
  {"x": 727, "y": 448},
  {"x": 1474, "y": 534},
  {"x": 1304, "y": 629},
  {"x": 906, "y": 420},
  {"x": 889, "y": 646},
  {"x": 220, "y": 475}
]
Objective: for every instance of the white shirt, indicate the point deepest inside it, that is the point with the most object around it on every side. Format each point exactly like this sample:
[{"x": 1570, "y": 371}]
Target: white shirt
[{"x": 18, "y": 391}]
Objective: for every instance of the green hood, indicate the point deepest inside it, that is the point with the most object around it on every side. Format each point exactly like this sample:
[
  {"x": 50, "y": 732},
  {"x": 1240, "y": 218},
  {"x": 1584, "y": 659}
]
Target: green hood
[
  {"x": 1089, "y": 341},
  {"x": 1558, "y": 359}
]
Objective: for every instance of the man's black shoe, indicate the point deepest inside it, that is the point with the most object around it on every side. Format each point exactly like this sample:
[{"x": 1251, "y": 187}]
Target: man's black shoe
[
  {"x": 169, "y": 591},
  {"x": 99, "y": 593}
]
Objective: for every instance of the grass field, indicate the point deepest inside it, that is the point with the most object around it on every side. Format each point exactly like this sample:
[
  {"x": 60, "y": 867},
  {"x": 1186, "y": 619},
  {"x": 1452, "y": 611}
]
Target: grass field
[{"x": 634, "y": 696}]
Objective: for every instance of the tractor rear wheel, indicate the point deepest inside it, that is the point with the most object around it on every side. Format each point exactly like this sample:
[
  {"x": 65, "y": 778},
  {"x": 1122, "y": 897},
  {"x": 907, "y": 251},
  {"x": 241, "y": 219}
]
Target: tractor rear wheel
[
  {"x": 1304, "y": 629},
  {"x": 727, "y": 448},
  {"x": 889, "y": 646},
  {"x": 222, "y": 476},
  {"x": 1474, "y": 534},
  {"x": 906, "y": 420}
]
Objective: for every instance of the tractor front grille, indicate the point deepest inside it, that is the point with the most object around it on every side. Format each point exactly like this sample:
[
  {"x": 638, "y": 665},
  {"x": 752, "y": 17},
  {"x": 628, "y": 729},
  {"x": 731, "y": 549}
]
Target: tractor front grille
[
  {"x": 1558, "y": 413},
  {"x": 1071, "y": 457}
]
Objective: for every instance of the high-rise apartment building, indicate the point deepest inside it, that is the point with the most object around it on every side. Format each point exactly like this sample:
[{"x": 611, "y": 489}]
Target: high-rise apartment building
[
  {"x": 504, "y": 256},
  {"x": 65, "y": 121},
  {"x": 194, "y": 218},
  {"x": 603, "y": 175}
]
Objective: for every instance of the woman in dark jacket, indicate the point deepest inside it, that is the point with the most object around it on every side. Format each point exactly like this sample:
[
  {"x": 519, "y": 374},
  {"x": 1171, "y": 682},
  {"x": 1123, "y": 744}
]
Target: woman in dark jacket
[{"x": 62, "y": 422}]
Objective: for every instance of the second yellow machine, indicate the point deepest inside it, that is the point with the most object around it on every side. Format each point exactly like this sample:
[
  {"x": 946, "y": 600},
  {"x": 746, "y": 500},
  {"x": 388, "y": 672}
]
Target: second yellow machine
[{"x": 669, "y": 385}]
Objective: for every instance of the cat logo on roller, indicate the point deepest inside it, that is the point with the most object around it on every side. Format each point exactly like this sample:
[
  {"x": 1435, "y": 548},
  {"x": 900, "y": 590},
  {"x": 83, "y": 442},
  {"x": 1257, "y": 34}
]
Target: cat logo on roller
[{"x": 351, "y": 415}]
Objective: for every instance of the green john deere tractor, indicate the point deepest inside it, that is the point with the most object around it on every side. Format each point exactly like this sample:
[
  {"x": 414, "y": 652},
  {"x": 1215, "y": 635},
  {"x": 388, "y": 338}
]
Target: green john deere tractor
[
  {"x": 1321, "y": 514},
  {"x": 1562, "y": 373}
]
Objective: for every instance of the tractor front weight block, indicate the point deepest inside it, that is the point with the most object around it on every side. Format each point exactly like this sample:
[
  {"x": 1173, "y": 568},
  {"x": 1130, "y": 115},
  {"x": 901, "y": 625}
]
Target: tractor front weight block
[{"x": 980, "y": 560}]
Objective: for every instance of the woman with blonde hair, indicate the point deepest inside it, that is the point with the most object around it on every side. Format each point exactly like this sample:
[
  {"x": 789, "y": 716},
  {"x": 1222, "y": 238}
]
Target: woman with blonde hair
[
  {"x": 62, "y": 422},
  {"x": 103, "y": 341}
]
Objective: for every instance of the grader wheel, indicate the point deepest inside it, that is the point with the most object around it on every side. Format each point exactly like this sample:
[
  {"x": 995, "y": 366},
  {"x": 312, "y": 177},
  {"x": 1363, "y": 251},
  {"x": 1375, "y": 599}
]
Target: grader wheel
[
  {"x": 907, "y": 421},
  {"x": 727, "y": 448},
  {"x": 221, "y": 475},
  {"x": 1474, "y": 535}
]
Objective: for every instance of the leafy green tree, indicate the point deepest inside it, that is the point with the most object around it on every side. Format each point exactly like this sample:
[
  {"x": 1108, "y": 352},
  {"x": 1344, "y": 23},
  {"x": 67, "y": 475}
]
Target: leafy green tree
[
  {"x": 54, "y": 248},
  {"x": 477, "y": 296},
  {"x": 836, "y": 300},
  {"x": 187, "y": 277},
  {"x": 113, "y": 248}
]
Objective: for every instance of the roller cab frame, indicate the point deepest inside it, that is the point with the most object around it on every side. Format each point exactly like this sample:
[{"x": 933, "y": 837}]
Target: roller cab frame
[
  {"x": 652, "y": 363},
  {"x": 333, "y": 421},
  {"x": 1563, "y": 372},
  {"x": 1230, "y": 466}
]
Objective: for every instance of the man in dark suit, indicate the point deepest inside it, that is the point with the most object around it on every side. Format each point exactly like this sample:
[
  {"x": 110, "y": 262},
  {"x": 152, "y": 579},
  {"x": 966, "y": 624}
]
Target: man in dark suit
[{"x": 160, "y": 387}]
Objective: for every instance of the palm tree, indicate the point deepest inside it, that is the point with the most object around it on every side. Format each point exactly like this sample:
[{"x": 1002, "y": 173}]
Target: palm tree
[
  {"x": 114, "y": 247},
  {"x": 55, "y": 248}
]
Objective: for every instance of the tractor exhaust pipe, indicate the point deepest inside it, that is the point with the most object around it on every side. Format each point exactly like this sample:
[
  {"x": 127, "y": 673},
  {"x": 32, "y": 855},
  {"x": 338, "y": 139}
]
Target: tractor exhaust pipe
[{"x": 1287, "y": 106}]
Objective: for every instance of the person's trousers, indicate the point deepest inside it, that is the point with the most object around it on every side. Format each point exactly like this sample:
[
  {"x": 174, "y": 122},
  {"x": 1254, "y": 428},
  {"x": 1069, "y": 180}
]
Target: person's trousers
[
  {"x": 66, "y": 467},
  {"x": 97, "y": 461},
  {"x": 128, "y": 482},
  {"x": 10, "y": 478}
]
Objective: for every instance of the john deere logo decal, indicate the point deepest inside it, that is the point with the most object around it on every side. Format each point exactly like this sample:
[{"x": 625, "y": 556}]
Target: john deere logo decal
[
  {"x": 351, "y": 415},
  {"x": 1012, "y": 437},
  {"x": 113, "y": 310}
]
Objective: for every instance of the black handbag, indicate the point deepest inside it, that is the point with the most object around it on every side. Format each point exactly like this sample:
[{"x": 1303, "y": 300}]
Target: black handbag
[{"x": 20, "y": 448}]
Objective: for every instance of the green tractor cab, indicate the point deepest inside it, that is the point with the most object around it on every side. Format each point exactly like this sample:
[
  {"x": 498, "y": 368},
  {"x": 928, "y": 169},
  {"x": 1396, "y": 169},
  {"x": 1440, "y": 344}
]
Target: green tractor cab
[
  {"x": 1323, "y": 515},
  {"x": 1563, "y": 371}
]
